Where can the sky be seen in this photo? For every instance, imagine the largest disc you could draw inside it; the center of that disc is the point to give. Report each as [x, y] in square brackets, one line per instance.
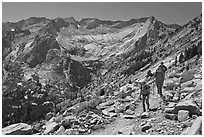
[167, 12]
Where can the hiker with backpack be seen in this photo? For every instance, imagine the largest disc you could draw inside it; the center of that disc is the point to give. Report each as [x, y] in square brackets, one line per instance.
[159, 77]
[144, 94]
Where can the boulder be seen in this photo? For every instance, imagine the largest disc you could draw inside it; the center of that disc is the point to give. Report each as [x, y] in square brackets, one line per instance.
[195, 129]
[187, 76]
[126, 130]
[146, 126]
[129, 112]
[183, 115]
[51, 127]
[126, 90]
[105, 112]
[187, 105]
[17, 129]
[145, 115]
[66, 123]
[171, 116]
[171, 85]
[60, 131]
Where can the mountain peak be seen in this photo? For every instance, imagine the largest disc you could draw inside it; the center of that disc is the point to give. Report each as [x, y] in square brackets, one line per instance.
[70, 20]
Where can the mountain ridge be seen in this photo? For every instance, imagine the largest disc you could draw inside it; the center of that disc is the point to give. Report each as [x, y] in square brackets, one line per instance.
[75, 62]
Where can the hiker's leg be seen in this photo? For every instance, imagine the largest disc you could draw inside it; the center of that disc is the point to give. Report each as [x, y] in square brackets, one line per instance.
[143, 103]
[162, 83]
[147, 101]
[160, 88]
[157, 84]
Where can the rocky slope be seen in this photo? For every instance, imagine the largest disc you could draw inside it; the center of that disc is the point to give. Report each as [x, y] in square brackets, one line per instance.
[76, 62]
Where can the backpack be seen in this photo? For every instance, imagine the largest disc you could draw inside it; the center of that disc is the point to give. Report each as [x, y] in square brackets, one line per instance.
[145, 89]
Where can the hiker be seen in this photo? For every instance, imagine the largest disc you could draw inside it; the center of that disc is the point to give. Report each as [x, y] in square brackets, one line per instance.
[149, 74]
[144, 95]
[159, 77]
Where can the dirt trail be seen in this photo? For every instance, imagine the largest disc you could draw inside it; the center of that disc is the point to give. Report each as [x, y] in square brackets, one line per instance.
[120, 122]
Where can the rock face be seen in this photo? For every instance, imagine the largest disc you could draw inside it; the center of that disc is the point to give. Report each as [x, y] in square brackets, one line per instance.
[195, 129]
[17, 129]
[70, 58]
[187, 105]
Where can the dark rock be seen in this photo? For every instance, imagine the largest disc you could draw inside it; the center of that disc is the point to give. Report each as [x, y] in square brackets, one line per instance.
[194, 116]
[17, 129]
[171, 116]
[37, 128]
[60, 131]
[66, 123]
[147, 126]
[187, 105]
[49, 116]
[145, 115]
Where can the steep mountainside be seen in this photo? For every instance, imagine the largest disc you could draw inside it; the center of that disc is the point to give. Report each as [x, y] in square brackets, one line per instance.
[75, 61]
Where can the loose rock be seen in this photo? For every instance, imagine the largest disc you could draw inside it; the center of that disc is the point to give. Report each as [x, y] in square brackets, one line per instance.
[195, 129]
[60, 131]
[147, 126]
[17, 129]
[145, 115]
[183, 115]
[51, 127]
[171, 116]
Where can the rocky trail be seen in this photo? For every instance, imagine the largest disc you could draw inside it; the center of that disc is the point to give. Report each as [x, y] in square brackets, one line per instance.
[179, 112]
[74, 77]
[125, 126]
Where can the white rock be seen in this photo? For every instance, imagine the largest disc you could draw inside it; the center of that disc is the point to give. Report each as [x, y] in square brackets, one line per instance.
[17, 129]
[183, 115]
